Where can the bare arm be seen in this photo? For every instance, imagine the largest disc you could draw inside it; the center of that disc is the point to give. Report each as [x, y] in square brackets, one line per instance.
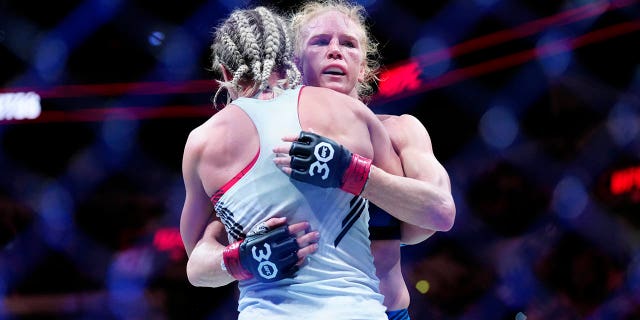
[204, 265]
[422, 198]
[204, 243]
[197, 209]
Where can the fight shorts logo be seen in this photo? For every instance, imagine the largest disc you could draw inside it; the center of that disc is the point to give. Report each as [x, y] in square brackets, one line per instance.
[266, 268]
[324, 153]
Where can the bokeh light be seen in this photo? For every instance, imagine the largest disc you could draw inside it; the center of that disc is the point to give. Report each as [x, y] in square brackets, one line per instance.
[531, 106]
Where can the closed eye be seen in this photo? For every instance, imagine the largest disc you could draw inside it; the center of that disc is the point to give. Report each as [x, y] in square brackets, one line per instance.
[319, 42]
[349, 43]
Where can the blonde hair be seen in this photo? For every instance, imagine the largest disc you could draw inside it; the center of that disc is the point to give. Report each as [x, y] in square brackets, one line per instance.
[355, 13]
[251, 44]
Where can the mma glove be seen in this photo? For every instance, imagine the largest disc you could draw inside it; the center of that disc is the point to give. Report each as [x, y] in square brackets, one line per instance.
[325, 163]
[267, 255]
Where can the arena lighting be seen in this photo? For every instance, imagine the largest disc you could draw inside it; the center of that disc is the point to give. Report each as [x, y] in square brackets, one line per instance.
[19, 105]
[397, 82]
[118, 89]
[625, 180]
[521, 31]
[169, 240]
[123, 113]
[406, 80]
[200, 86]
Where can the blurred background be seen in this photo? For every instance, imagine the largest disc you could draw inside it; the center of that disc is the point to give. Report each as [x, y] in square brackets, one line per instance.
[532, 107]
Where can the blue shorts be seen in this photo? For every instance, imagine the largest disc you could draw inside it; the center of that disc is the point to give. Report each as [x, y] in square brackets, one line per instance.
[402, 314]
[382, 225]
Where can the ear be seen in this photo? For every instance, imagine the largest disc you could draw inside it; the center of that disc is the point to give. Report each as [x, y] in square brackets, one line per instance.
[361, 73]
[298, 63]
[226, 74]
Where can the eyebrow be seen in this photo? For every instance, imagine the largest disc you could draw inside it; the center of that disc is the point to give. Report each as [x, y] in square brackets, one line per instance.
[340, 37]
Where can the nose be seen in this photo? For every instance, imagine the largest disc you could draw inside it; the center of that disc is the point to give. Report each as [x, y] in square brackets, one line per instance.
[334, 50]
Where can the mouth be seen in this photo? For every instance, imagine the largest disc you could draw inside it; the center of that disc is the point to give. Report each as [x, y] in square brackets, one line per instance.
[334, 71]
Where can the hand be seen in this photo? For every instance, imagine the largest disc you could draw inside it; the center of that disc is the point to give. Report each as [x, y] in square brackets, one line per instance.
[271, 251]
[323, 162]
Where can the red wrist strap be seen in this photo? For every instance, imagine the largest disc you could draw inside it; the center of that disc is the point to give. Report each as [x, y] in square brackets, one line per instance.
[356, 175]
[231, 258]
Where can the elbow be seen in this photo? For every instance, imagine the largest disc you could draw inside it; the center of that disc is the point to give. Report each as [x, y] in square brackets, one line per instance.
[440, 217]
[448, 215]
[192, 275]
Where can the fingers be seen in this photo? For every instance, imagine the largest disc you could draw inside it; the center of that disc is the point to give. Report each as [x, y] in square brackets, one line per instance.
[282, 151]
[291, 138]
[299, 227]
[308, 244]
[307, 241]
[282, 160]
[283, 148]
[303, 253]
[283, 163]
[275, 222]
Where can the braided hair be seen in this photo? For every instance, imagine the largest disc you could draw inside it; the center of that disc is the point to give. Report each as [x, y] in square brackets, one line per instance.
[251, 44]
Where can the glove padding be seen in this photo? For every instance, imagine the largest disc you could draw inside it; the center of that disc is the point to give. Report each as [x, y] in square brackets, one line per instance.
[268, 256]
[325, 163]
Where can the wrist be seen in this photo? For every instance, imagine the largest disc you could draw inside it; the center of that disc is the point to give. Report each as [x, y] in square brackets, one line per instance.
[356, 175]
[231, 262]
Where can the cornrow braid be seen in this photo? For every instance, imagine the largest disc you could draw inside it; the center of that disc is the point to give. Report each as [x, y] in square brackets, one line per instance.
[234, 49]
[249, 42]
[252, 45]
[294, 77]
[271, 44]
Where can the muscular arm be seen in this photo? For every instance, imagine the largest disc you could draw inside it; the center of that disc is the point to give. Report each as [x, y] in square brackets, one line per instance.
[204, 265]
[204, 244]
[422, 198]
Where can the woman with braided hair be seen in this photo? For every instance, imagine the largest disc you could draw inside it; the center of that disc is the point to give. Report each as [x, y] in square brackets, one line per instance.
[284, 270]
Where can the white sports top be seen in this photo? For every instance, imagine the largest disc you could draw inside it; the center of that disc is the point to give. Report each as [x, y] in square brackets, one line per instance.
[336, 282]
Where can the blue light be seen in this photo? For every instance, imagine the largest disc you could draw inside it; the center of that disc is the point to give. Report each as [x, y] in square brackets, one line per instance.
[429, 45]
[486, 3]
[56, 206]
[234, 4]
[498, 127]
[178, 56]
[51, 58]
[623, 123]
[156, 38]
[554, 53]
[570, 198]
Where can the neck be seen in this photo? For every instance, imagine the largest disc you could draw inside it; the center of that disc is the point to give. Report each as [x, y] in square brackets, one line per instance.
[273, 88]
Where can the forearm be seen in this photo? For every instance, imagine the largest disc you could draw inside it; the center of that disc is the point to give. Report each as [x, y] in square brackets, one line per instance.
[423, 204]
[204, 266]
[411, 234]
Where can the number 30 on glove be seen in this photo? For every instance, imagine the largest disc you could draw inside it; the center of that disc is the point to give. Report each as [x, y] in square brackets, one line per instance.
[268, 255]
[325, 163]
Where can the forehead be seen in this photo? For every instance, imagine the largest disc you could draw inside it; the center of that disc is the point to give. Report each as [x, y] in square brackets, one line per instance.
[334, 23]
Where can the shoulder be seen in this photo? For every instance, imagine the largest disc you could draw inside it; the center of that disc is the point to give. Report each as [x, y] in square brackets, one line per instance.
[406, 123]
[216, 128]
[325, 94]
[198, 136]
[401, 121]
[405, 130]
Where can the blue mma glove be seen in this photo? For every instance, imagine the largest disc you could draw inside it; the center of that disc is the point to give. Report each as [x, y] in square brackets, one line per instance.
[267, 255]
[325, 163]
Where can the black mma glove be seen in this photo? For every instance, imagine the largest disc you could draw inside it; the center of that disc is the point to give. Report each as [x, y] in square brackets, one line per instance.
[325, 163]
[267, 255]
